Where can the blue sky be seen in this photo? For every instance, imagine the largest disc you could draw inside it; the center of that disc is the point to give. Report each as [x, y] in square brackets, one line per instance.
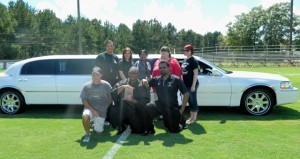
[201, 16]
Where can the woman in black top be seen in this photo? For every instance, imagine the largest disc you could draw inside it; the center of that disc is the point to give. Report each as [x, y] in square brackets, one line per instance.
[125, 63]
[190, 78]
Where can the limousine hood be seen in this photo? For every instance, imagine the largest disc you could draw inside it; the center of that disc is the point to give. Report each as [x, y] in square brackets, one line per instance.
[258, 75]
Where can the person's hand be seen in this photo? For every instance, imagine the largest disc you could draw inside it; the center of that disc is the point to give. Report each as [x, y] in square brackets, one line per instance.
[145, 82]
[193, 88]
[130, 99]
[181, 111]
[95, 113]
[127, 86]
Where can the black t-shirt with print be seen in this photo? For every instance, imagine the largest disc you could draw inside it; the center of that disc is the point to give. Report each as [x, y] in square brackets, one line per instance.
[187, 68]
[167, 90]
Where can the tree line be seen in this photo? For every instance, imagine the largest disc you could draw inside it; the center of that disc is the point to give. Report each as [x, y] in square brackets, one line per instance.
[26, 32]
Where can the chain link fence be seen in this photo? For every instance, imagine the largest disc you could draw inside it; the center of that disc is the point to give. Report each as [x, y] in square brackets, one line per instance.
[239, 56]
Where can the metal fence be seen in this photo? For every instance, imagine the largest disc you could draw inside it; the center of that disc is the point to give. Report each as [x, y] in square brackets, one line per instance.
[252, 56]
[240, 56]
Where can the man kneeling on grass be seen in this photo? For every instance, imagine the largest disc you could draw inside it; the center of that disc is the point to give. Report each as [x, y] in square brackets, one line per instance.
[96, 97]
[131, 98]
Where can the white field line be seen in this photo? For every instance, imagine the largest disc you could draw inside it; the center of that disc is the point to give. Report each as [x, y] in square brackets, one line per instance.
[114, 149]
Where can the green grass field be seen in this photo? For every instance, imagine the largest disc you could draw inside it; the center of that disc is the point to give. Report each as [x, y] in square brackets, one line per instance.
[220, 133]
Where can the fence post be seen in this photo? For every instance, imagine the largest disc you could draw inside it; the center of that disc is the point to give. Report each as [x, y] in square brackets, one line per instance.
[4, 65]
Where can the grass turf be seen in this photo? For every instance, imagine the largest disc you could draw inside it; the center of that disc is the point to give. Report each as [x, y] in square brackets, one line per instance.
[56, 132]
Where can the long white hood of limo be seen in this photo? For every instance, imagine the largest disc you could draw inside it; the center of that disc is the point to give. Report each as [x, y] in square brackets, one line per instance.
[257, 75]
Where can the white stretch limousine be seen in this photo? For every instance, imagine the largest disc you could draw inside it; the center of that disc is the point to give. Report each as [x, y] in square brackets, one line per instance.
[59, 79]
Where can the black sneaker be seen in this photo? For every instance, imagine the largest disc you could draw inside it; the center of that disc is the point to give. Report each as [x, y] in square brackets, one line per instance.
[121, 130]
[160, 118]
[148, 132]
[182, 123]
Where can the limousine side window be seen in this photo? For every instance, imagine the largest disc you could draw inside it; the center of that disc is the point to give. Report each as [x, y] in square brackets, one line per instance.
[204, 69]
[75, 66]
[41, 67]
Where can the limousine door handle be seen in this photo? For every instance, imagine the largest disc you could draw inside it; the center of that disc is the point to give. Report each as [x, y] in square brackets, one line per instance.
[22, 80]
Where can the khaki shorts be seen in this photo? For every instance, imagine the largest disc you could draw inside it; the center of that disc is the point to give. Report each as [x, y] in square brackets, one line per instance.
[98, 121]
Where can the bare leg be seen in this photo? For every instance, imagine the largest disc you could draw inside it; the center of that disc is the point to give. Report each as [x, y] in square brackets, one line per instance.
[86, 123]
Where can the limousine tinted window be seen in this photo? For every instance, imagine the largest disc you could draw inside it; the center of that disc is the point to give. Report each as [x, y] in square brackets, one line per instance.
[75, 66]
[41, 67]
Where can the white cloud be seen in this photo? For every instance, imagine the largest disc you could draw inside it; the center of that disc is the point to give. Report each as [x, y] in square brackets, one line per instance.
[269, 3]
[189, 16]
[61, 8]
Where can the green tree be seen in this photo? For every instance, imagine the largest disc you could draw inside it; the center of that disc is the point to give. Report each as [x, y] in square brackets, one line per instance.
[140, 33]
[123, 38]
[8, 50]
[49, 33]
[269, 26]
[69, 39]
[26, 29]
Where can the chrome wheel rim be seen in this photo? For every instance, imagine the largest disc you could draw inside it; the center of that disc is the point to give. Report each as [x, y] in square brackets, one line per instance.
[10, 103]
[258, 103]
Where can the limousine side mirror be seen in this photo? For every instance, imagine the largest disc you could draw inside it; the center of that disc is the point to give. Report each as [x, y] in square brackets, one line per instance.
[215, 72]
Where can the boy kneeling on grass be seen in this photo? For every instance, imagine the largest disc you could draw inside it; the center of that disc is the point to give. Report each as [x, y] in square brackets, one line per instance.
[96, 97]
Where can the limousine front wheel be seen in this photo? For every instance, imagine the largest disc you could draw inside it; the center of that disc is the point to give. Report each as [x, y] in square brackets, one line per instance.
[257, 102]
[11, 102]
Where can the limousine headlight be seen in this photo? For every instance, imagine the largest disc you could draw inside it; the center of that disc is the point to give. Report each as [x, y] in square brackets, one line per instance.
[286, 85]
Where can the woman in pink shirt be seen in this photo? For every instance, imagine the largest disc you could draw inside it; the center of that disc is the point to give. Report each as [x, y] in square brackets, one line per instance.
[166, 56]
[175, 69]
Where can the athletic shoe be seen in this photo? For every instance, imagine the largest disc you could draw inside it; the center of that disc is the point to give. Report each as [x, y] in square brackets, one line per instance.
[121, 130]
[160, 118]
[87, 138]
[182, 123]
[92, 125]
[148, 132]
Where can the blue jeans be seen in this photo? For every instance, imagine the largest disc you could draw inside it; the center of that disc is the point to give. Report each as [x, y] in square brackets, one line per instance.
[193, 104]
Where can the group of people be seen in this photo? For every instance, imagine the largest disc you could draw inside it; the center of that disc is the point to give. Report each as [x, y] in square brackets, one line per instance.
[119, 92]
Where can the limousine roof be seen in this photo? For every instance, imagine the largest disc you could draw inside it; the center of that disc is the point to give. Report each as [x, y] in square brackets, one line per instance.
[150, 56]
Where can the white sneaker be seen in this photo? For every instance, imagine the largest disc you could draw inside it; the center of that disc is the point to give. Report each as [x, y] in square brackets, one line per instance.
[87, 138]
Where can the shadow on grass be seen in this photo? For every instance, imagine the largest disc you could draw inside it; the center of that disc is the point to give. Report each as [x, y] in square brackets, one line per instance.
[168, 139]
[205, 113]
[49, 111]
[224, 114]
[105, 136]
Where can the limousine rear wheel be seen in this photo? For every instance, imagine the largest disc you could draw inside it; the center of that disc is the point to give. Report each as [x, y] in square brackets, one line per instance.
[257, 102]
[11, 102]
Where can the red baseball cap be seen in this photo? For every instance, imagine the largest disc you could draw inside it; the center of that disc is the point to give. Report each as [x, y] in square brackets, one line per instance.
[188, 47]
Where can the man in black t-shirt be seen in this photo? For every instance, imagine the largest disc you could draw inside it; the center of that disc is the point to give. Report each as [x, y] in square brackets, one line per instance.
[166, 86]
[108, 62]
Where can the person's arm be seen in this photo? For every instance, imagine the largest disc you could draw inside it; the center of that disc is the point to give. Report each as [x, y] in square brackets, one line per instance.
[87, 105]
[98, 60]
[184, 102]
[176, 68]
[155, 71]
[123, 87]
[121, 73]
[195, 78]
[182, 88]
